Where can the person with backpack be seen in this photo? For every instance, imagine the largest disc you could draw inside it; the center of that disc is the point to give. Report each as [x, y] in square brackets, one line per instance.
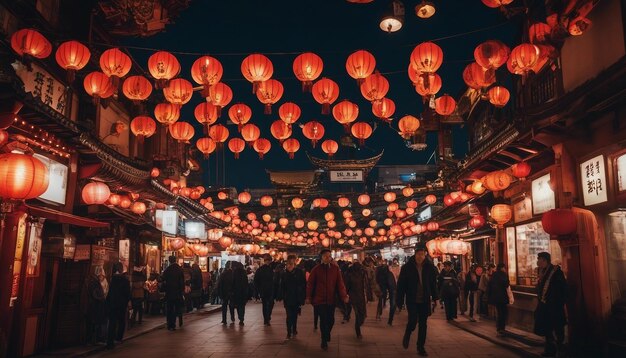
[449, 290]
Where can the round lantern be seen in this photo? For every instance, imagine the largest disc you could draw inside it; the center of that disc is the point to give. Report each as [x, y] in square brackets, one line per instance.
[115, 64]
[225, 241]
[360, 65]
[266, 217]
[143, 127]
[178, 91]
[262, 146]
[297, 203]
[22, 177]
[256, 68]
[501, 214]
[138, 208]
[29, 42]
[383, 109]
[206, 113]
[299, 224]
[559, 222]
[218, 133]
[206, 146]
[408, 191]
[448, 200]
[283, 222]
[98, 85]
[428, 84]
[220, 96]
[496, 181]
[281, 131]
[345, 112]
[236, 145]
[361, 131]
[155, 172]
[445, 105]
[240, 114]
[477, 77]
[363, 199]
[137, 88]
[166, 113]
[114, 199]
[307, 67]
[496, 3]
[250, 133]
[330, 147]
[430, 199]
[432, 226]
[72, 56]
[325, 92]
[314, 131]
[312, 225]
[268, 93]
[491, 54]
[408, 126]
[206, 71]
[291, 146]
[244, 197]
[125, 202]
[427, 57]
[326, 242]
[182, 131]
[289, 112]
[411, 204]
[320, 203]
[389, 196]
[477, 221]
[343, 202]
[498, 96]
[477, 187]
[375, 87]
[520, 170]
[266, 200]
[176, 243]
[393, 207]
[523, 58]
[163, 66]
[95, 193]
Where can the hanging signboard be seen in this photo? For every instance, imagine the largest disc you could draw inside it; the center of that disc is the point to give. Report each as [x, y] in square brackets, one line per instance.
[57, 180]
[621, 173]
[593, 181]
[355, 176]
[166, 221]
[543, 198]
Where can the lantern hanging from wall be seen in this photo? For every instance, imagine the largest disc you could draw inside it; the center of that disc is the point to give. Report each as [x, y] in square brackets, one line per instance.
[314, 131]
[95, 193]
[281, 131]
[374, 87]
[448, 200]
[559, 222]
[240, 114]
[206, 71]
[501, 214]
[496, 3]
[182, 131]
[143, 127]
[72, 56]
[289, 112]
[307, 67]
[384, 109]
[236, 145]
[178, 91]
[137, 88]
[29, 42]
[206, 146]
[360, 65]
[291, 146]
[268, 93]
[219, 133]
[163, 66]
[166, 113]
[325, 92]
[220, 96]
[498, 96]
[115, 64]
[206, 113]
[361, 131]
[262, 146]
[256, 68]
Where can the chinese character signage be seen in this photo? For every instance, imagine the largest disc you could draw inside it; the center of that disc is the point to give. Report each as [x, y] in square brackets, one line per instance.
[346, 176]
[542, 195]
[621, 172]
[522, 210]
[34, 248]
[167, 221]
[17, 262]
[593, 181]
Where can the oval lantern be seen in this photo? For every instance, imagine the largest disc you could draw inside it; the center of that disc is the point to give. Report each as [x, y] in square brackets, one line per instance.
[138, 208]
[432, 226]
[477, 187]
[330, 147]
[178, 91]
[360, 65]
[166, 113]
[426, 57]
[498, 96]
[291, 146]
[115, 64]
[501, 214]
[375, 87]
[559, 222]
[523, 58]
[539, 32]
[343, 202]
[491, 54]
[244, 197]
[206, 71]
[206, 113]
[22, 177]
[98, 85]
[155, 172]
[137, 88]
[430, 199]
[72, 56]
[206, 146]
[299, 223]
[236, 145]
[163, 66]
[477, 77]
[314, 131]
[428, 85]
[408, 191]
[114, 199]
[143, 127]
[262, 146]
[408, 126]
[297, 203]
[289, 112]
[389, 196]
[325, 92]
[361, 131]
[384, 109]
[220, 96]
[307, 67]
[125, 202]
[268, 93]
[280, 130]
[182, 131]
[363, 199]
[95, 193]
[250, 133]
[29, 42]
[219, 133]
[256, 68]
[448, 200]
[477, 221]
[445, 105]
[240, 114]
[345, 112]
[520, 170]
[496, 181]
[496, 3]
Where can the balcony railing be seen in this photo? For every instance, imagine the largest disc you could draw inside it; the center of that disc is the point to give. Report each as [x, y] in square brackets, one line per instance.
[537, 89]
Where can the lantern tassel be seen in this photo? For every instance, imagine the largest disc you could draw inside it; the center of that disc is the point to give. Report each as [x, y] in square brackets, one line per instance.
[268, 109]
[291, 155]
[326, 108]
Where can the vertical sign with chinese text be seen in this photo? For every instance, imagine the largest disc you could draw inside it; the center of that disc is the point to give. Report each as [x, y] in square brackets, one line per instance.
[593, 181]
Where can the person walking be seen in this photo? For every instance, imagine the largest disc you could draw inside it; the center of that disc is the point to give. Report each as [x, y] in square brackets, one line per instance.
[117, 304]
[224, 290]
[374, 290]
[356, 286]
[174, 286]
[325, 282]
[391, 289]
[417, 285]
[470, 288]
[483, 285]
[381, 281]
[462, 301]
[187, 304]
[292, 292]
[550, 316]
[449, 286]
[138, 294]
[240, 291]
[96, 309]
[265, 281]
[196, 286]
[497, 294]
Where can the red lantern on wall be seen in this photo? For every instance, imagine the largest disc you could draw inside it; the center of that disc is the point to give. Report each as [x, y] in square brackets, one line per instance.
[166, 113]
[137, 88]
[29, 42]
[240, 114]
[291, 146]
[375, 87]
[498, 96]
[143, 127]
[360, 65]
[178, 91]
[163, 66]
[220, 96]
[325, 92]
[307, 67]
[256, 68]
[445, 105]
[289, 112]
[314, 131]
[182, 131]
[72, 56]
[559, 222]
[521, 170]
[206, 146]
[430, 199]
[262, 146]
[330, 147]
[384, 109]
[268, 93]
[427, 57]
[236, 145]
[95, 193]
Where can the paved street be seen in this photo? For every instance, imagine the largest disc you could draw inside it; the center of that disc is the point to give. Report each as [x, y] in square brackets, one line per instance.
[206, 337]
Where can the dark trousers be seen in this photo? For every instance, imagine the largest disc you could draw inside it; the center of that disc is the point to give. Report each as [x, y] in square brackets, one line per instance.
[501, 314]
[225, 305]
[450, 306]
[117, 325]
[241, 311]
[268, 306]
[137, 310]
[392, 305]
[316, 316]
[327, 320]
[554, 339]
[470, 295]
[359, 317]
[418, 314]
[292, 318]
[381, 303]
[172, 307]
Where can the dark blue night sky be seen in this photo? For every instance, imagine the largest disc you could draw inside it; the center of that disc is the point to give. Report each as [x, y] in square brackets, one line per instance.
[280, 29]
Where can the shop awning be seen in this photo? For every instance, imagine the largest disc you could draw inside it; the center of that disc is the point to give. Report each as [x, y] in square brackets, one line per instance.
[64, 218]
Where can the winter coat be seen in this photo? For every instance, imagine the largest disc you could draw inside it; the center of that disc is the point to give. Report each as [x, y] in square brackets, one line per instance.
[264, 281]
[96, 301]
[408, 283]
[381, 277]
[196, 279]
[240, 285]
[356, 285]
[138, 281]
[371, 281]
[391, 282]
[448, 285]
[174, 282]
[292, 287]
[325, 282]
[497, 288]
[225, 284]
[471, 282]
[551, 313]
[119, 293]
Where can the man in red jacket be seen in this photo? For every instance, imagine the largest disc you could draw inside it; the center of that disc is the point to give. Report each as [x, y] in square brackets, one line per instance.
[324, 283]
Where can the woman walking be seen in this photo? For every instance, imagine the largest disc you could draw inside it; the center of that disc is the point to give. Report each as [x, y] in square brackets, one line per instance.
[293, 292]
[356, 285]
[240, 290]
[497, 293]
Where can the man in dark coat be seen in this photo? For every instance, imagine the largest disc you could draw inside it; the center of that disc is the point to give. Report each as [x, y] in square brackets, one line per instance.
[292, 291]
[225, 292]
[550, 312]
[391, 289]
[356, 285]
[96, 309]
[240, 290]
[449, 290]
[117, 304]
[325, 282]
[174, 287]
[196, 286]
[417, 284]
[497, 295]
[470, 287]
[264, 281]
[381, 280]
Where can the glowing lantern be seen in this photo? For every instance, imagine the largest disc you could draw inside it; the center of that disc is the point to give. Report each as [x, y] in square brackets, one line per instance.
[280, 130]
[137, 88]
[220, 96]
[138, 208]
[222, 195]
[289, 112]
[408, 191]
[491, 54]
[496, 181]
[320, 203]
[262, 146]
[114, 199]
[256, 68]
[268, 93]
[266, 217]
[477, 221]
[178, 91]
[166, 113]
[98, 85]
[375, 87]
[314, 131]
[389, 196]
[218, 133]
[448, 200]
[326, 242]
[312, 225]
[155, 172]
[501, 213]
[299, 224]
[363, 199]
[206, 71]
[432, 226]
[387, 222]
[176, 243]
[559, 222]
[520, 170]
[498, 96]
[426, 57]
[523, 58]
[72, 56]
[330, 147]
[29, 42]
[445, 105]
[496, 3]
[244, 197]
[240, 114]
[366, 212]
[297, 203]
[431, 199]
[283, 222]
[360, 65]
[477, 77]
[307, 67]
[291, 146]
[182, 131]
[325, 92]
[95, 193]
[428, 85]
[345, 112]
[408, 126]
[384, 109]
[225, 241]
[115, 64]
[361, 131]
[125, 202]
[539, 33]
[250, 133]
[477, 187]
[236, 145]
[143, 127]
[392, 207]
[329, 216]
[206, 113]
[163, 66]
[206, 146]
[343, 202]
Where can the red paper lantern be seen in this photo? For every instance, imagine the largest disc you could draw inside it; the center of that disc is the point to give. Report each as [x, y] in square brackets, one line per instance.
[297, 203]
[345, 112]
[206, 146]
[375, 87]
[361, 131]
[256, 68]
[166, 113]
[240, 114]
[115, 64]
[98, 85]
[176, 243]
[498, 96]
[523, 58]
[477, 221]
[125, 202]
[280, 130]
[29, 42]
[384, 109]
[218, 133]
[325, 92]
[307, 67]
[262, 146]
[330, 147]
[163, 66]
[501, 214]
[448, 200]
[266, 200]
[428, 84]
[291, 146]
[411, 204]
[250, 133]
[389, 196]
[559, 222]
[491, 54]
[269, 92]
[432, 226]
[225, 241]
[143, 127]
[496, 3]
[137, 88]
[363, 199]
[220, 96]
[22, 177]
[289, 112]
[521, 170]
[427, 57]
[138, 208]
[114, 199]
[206, 113]
[496, 181]
[477, 77]
[360, 65]
[155, 172]
[244, 197]
[236, 145]
[445, 105]
[539, 33]
[408, 126]
[182, 131]
[72, 56]
[343, 202]
[430, 199]
[178, 91]
[314, 131]
[206, 71]
[95, 193]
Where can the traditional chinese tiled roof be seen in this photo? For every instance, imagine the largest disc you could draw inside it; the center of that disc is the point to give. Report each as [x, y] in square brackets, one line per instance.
[343, 164]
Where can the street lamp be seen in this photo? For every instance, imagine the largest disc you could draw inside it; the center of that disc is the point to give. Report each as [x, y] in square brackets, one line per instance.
[425, 9]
